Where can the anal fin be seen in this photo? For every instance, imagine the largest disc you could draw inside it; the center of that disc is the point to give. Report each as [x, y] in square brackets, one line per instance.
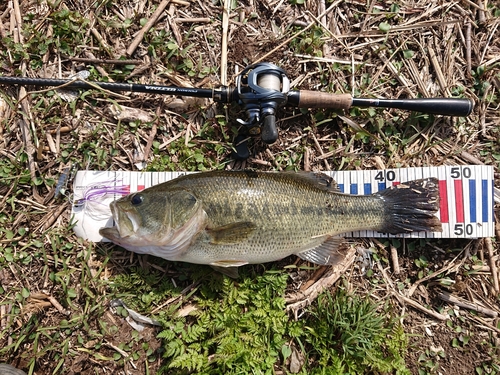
[228, 267]
[328, 253]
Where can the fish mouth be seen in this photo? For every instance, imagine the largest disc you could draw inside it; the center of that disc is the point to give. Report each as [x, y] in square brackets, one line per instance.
[111, 233]
[124, 226]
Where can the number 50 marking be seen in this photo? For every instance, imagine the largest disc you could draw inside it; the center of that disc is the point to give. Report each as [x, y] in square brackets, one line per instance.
[461, 228]
[455, 172]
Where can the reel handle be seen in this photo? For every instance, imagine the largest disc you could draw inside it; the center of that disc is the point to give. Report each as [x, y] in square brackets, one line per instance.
[269, 131]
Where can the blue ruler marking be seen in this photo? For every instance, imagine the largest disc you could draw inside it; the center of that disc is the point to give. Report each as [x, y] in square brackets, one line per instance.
[484, 193]
[472, 194]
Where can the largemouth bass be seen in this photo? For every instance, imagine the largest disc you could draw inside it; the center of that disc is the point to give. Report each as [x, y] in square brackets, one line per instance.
[229, 219]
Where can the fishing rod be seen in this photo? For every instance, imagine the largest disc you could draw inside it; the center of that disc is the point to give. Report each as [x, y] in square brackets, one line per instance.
[262, 88]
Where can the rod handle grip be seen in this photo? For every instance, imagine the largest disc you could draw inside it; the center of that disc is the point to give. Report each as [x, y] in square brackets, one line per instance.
[319, 99]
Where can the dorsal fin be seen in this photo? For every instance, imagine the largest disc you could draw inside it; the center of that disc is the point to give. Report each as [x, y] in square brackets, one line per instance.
[318, 179]
[327, 253]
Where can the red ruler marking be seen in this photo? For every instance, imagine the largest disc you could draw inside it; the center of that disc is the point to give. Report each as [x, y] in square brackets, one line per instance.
[443, 202]
[459, 201]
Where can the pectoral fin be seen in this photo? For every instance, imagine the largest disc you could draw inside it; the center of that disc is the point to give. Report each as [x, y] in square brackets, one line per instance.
[327, 253]
[231, 234]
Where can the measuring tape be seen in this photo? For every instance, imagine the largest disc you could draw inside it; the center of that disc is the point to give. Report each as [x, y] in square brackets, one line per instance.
[466, 206]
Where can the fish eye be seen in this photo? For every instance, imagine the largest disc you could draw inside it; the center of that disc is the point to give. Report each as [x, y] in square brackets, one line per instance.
[136, 199]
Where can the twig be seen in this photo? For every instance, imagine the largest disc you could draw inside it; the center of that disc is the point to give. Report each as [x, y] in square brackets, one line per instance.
[140, 35]
[26, 120]
[418, 306]
[123, 353]
[415, 73]
[192, 20]
[193, 286]
[430, 276]
[270, 154]
[57, 305]
[296, 34]
[439, 72]
[260, 162]
[487, 48]
[98, 67]
[395, 260]
[299, 300]
[493, 266]
[467, 305]
[3, 34]
[225, 27]
[307, 161]
[151, 138]
[173, 24]
[320, 150]
[315, 277]
[481, 13]
[101, 40]
[483, 323]
[18, 20]
[51, 217]
[175, 137]
[468, 58]
[387, 279]
[62, 129]
[470, 158]
[394, 71]
[105, 61]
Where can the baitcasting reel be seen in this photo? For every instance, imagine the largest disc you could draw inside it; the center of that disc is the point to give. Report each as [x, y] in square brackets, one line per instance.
[262, 88]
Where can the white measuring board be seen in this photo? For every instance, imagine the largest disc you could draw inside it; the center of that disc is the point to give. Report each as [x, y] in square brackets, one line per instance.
[466, 191]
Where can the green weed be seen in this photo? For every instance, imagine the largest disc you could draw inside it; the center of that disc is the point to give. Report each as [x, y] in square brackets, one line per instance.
[238, 327]
[241, 326]
[350, 333]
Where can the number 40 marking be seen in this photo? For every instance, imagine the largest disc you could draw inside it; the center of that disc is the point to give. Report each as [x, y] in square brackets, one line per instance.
[385, 175]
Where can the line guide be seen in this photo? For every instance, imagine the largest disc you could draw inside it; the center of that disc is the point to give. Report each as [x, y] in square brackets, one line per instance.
[466, 191]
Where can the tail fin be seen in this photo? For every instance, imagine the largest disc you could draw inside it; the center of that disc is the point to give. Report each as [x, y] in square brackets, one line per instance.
[410, 207]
